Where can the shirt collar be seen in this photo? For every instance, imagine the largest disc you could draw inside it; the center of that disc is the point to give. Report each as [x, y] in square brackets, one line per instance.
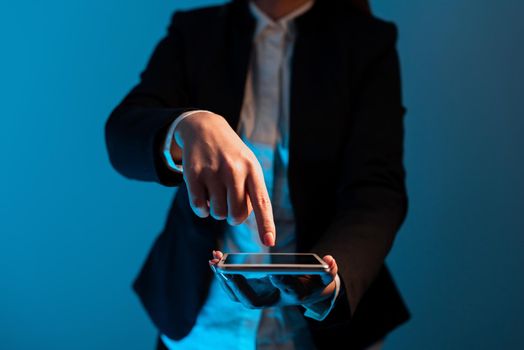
[263, 20]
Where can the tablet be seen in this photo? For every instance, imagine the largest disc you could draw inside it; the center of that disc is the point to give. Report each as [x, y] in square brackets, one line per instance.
[272, 263]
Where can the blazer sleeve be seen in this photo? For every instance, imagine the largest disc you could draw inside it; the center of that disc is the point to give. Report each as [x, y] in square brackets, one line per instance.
[136, 128]
[371, 200]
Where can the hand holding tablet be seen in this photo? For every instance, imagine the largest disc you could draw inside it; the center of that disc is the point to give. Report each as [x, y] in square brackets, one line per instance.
[275, 279]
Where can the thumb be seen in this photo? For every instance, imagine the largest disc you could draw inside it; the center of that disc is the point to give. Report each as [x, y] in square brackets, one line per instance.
[327, 278]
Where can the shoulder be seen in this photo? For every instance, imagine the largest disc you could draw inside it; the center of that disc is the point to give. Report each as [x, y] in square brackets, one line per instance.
[367, 37]
[196, 28]
[355, 26]
[200, 19]
[201, 13]
[369, 31]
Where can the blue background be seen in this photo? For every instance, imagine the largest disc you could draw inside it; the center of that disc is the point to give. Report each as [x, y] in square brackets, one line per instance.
[73, 233]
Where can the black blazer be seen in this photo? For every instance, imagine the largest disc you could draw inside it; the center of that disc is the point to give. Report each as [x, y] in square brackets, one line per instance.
[346, 174]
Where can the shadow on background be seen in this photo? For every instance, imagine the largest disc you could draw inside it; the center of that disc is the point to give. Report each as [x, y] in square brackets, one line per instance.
[73, 233]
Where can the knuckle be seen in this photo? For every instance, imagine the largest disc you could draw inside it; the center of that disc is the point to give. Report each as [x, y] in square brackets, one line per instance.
[254, 166]
[233, 167]
[192, 171]
[198, 202]
[263, 200]
[208, 171]
[246, 153]
[238, 218]
[218, 211]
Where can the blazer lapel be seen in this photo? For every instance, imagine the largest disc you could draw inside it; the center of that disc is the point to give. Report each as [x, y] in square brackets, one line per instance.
[317, 81]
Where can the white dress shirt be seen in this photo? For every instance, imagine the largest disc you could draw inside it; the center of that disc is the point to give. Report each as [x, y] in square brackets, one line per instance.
[264, 128]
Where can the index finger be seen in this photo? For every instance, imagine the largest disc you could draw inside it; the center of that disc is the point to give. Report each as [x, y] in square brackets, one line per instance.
[262, 207]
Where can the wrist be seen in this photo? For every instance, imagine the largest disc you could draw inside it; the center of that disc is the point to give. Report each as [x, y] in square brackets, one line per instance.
[320, 309]
[192, 124]
[172, 152]
[325, 296]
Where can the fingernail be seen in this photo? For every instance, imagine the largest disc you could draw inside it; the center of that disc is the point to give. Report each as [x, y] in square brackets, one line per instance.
[269, 239]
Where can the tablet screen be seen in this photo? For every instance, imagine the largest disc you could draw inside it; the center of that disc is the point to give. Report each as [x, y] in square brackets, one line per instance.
[283, 259]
